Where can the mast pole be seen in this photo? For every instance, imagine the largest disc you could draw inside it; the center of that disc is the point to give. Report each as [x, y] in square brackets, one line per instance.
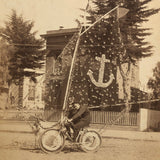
[70, 73]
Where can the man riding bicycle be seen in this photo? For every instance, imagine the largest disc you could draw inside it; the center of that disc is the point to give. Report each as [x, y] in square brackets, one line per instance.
[79, 116]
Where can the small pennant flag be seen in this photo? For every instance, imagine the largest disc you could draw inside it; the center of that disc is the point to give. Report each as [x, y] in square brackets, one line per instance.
[122, 12]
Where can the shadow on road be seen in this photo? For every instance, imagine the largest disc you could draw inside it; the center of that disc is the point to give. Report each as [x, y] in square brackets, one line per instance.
[36, 149]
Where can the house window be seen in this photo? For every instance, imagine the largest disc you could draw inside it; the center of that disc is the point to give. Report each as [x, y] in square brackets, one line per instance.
[31, 91]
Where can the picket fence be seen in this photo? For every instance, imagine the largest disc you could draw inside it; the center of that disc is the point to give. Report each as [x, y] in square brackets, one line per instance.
[101, 117]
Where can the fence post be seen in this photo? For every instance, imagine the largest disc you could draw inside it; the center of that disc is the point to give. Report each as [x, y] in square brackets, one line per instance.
[144, 119]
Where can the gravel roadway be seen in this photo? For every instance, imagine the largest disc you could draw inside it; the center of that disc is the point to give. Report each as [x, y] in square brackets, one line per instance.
[18, 146]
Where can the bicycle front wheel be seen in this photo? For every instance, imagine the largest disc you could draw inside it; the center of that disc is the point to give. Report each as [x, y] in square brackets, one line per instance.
[51, 141]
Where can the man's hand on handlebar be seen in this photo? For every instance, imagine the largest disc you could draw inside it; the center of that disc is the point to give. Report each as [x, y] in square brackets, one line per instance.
[69, 120]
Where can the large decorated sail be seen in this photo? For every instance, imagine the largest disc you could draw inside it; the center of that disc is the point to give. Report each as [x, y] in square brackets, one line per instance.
[94, 70]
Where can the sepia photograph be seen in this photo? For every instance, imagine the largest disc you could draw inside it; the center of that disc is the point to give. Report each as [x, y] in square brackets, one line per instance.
[80, 79]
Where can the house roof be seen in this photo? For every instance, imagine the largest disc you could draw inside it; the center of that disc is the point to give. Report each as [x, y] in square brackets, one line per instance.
[59, 32]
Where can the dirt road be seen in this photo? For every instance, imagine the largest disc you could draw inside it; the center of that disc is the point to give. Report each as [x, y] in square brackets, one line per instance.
[15, 146]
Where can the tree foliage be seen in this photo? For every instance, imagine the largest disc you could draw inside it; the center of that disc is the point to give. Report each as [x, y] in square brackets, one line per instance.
[5, 54]
[28, 54]
[154, 82]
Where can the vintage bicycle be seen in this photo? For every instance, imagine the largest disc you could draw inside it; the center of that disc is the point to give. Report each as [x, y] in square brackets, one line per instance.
[53, 138]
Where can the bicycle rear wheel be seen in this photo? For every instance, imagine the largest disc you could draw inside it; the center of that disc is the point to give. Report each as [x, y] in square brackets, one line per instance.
[90, 141]
[51, 141]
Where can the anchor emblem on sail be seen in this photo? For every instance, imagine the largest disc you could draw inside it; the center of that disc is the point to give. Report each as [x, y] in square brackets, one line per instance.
[100, 82]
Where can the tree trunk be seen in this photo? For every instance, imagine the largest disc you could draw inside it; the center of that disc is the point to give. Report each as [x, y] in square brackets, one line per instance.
[126, 89]
[20, 101]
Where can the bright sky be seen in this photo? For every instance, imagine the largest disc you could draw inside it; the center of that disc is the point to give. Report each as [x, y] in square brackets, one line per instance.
[50, 14]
